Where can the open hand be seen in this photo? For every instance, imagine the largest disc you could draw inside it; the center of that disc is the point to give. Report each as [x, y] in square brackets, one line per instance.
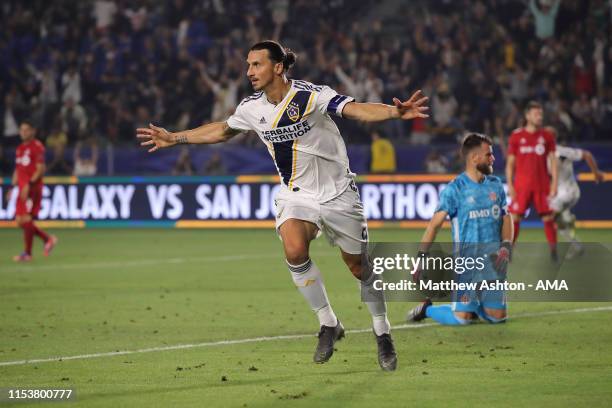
[413, 108]
[155, 137]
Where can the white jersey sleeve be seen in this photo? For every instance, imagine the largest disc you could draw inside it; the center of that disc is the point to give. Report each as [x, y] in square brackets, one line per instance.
[331, 102]
[239, 120]
[569, 153]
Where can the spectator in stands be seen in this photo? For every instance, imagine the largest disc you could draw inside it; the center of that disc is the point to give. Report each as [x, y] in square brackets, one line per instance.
[86, 162]
[373, 88]
[444, 110]
[104, 13]
[56, 143]
[183, 165]
[605, 112]
[137, 14]
[214, 166]
[584, 110]
[113, 58]
[420, 134]
[48, 86]
[382, 158]
[9, 114]
[71, 85]
[225, 91]
[544, 17]
[74, 119]
[352, 84]
[436, 163]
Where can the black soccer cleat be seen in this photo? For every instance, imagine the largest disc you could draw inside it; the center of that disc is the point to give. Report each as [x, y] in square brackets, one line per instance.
[554, 256]
[418, 313]
[387, 358]
[328, 336]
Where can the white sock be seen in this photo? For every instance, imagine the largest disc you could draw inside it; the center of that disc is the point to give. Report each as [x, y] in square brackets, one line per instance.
[327, 316]
[381, 324]
[375, 301]
[309, 282]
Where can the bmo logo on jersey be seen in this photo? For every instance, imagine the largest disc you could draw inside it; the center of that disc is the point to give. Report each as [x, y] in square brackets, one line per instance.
[538, 149]
[494, 212]
[25, 159]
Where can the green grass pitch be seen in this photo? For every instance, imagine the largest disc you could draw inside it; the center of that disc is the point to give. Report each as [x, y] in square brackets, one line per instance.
[104, 291]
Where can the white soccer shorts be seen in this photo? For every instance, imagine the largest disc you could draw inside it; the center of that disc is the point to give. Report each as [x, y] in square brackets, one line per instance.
[340, 219]
[566, 198]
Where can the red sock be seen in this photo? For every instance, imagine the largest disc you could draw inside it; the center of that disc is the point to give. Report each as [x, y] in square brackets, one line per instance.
[550, 229]
[517, 227]
[28, 237]
[40, 233]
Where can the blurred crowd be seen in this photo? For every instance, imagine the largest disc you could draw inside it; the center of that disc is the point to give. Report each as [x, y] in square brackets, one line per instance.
[90, 72]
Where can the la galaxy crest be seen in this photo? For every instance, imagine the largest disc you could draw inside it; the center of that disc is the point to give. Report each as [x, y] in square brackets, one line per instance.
[293, 111]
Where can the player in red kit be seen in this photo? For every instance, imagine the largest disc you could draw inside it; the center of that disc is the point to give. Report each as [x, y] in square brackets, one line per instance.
[29, 171]
[529, 150]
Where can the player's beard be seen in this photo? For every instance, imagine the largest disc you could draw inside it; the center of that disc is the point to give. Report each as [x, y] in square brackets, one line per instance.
[485, 168]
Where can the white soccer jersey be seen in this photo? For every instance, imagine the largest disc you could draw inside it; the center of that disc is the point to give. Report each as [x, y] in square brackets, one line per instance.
[303, 140]
[566, 156]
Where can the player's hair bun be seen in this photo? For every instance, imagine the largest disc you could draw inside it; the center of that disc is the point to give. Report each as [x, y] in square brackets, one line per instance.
[289, 59]
[277, 53]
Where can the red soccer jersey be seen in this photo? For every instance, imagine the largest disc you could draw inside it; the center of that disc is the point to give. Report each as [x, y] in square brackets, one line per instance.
[531, 152]
[29, 154]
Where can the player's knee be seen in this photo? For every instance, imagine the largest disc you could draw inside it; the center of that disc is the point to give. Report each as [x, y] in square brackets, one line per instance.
[355, 268]
[495, 315]
[296, 254]
[354, 263]
[463, 317]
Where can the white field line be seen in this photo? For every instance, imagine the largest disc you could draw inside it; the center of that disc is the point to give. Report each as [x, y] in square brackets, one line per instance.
[151, 262]
[268, 338]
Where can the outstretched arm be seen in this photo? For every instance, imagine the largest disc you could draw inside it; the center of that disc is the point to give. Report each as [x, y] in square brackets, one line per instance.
[157, 138]
[429, 236]
[376, 112]
[588, 157]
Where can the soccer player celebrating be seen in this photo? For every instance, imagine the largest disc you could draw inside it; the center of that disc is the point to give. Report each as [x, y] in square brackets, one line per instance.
[318, 193]
[530, 148]
[28, 174]
[568, 191]
[475, 201]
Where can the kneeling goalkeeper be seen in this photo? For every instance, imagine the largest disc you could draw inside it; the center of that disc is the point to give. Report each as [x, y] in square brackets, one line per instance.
[475, 202]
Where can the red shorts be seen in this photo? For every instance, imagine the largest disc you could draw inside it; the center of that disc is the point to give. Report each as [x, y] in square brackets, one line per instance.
[526, 196]
[32, 204]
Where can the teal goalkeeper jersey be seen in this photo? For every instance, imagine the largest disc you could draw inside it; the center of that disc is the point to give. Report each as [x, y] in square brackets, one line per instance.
[476, 210]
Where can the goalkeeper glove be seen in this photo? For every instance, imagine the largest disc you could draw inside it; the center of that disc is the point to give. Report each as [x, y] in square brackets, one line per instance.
[502, 257]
